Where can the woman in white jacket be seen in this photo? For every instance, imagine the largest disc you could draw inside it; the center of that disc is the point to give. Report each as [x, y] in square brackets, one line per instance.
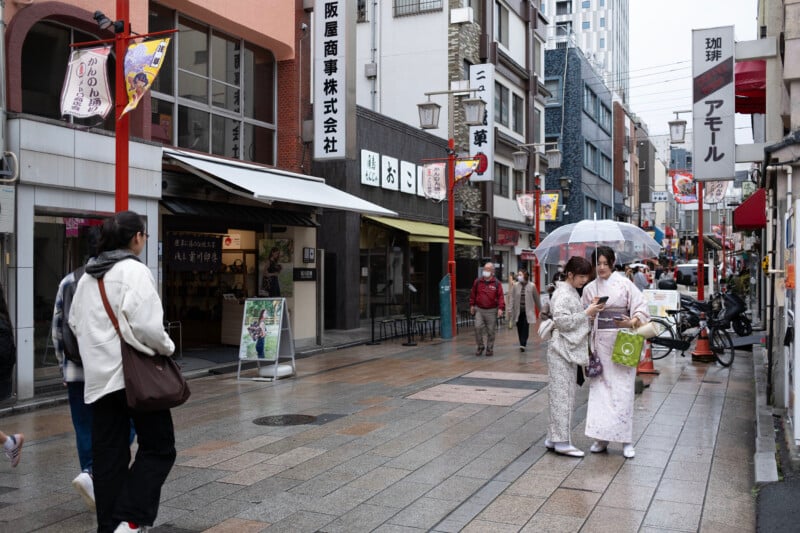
[127, 498]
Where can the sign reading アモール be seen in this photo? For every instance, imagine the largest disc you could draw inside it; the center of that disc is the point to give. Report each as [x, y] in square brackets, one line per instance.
[714, 103]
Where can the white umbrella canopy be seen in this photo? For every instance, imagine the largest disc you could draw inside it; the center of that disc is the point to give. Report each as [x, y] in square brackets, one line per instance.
[628, 241]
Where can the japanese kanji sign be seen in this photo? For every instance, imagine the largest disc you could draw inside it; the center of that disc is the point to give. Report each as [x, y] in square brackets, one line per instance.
[370, 173]
[334, 80]
[86, 91]
[434, 181]
[390, 173]
[199, 253]
[481, 138]
[714, 103]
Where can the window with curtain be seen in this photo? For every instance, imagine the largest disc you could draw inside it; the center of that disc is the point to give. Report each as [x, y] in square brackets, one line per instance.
[215, 92]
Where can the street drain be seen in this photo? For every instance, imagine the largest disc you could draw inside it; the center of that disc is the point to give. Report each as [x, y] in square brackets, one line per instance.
[285, 420]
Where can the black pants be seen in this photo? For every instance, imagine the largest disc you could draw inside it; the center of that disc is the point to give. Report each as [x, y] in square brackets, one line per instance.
[123, 494]
[523, 329]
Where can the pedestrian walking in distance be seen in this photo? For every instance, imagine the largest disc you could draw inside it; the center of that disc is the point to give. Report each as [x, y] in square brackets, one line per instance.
[486, 304]
[524, 298]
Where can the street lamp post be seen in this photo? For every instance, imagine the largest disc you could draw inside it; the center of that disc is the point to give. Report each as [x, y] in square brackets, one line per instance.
[474, 109]
[521, 163]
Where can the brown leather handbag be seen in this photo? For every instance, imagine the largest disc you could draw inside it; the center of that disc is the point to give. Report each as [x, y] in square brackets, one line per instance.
[152, 382]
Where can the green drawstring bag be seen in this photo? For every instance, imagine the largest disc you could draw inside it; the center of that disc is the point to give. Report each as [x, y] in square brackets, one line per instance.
[627, 348]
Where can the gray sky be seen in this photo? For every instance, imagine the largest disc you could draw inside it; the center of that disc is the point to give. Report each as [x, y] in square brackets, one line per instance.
[661, 54]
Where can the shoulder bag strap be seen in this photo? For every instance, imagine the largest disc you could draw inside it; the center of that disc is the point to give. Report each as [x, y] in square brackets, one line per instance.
[107, 305]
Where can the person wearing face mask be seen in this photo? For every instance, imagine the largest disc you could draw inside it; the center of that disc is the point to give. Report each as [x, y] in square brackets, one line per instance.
[486, 304]
[524, 297]
[609, 415]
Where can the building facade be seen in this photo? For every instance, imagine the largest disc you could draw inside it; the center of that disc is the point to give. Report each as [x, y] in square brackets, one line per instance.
[600, 29]
[579, 118]
[218, 129]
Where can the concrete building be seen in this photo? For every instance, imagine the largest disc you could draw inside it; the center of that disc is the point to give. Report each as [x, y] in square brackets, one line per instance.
[579, 118]
[210, 144]
[405, 50]
[600, 29]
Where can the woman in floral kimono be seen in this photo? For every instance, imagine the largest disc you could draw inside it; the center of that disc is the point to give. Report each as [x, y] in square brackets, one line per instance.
[609, 417]
[568, 349]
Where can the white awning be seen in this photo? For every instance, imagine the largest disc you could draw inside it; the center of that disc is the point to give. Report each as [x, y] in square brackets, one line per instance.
[271, 185]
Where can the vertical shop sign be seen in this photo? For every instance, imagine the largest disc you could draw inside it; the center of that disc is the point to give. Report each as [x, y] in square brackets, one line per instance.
[714, 103]
[86, 92]
[334, 80]
[481, 138]
[370, 173]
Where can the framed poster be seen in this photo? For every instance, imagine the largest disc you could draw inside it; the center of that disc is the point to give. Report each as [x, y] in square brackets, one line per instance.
[275, 278]
[261, 328]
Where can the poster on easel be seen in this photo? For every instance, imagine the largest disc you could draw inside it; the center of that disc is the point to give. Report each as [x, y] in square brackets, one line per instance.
[266, 336]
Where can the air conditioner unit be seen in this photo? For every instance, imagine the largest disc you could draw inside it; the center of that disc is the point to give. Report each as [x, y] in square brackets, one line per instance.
[461, 15]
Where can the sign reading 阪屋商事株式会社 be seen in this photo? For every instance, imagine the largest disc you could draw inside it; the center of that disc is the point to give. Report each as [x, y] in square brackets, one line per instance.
[713, 108]
[334, 79]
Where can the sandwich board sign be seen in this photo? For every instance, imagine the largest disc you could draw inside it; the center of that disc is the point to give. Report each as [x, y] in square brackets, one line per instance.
[267, 337]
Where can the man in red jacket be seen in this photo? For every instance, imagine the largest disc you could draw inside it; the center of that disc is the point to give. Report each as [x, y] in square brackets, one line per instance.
[486, 303]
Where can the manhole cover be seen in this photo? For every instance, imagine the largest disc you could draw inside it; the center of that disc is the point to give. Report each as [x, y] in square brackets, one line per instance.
[285, 420]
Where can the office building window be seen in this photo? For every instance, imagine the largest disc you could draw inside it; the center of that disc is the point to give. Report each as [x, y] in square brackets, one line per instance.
[586, 4]
[215, 93]
[501, 104]
[501, 180]
[518, 108]
[589, 156]
[502, 24]
[585, 25]
[589, 101]
[564, 8]
[414, 7]
[602, 42]
[519, 183]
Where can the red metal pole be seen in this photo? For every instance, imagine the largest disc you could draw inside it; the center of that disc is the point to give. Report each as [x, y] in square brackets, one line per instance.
[451, 243]
[724, 266]
[121, 131]
[537, 197]
[700, 266]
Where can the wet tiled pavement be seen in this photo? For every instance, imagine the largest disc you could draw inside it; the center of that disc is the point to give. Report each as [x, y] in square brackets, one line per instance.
[424, 438]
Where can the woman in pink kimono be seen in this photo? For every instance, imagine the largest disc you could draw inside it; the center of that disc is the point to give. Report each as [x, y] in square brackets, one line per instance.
[609, 417]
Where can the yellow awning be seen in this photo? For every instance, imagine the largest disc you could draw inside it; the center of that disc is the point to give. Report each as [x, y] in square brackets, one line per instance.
[425, 232]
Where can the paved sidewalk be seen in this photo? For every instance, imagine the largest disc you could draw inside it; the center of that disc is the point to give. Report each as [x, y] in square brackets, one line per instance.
[425, 438]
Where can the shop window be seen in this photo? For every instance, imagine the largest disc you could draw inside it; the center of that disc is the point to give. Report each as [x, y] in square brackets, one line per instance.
[220, 88]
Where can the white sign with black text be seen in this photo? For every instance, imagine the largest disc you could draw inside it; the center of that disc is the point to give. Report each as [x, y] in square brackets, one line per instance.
[713, 109]
[481, 138]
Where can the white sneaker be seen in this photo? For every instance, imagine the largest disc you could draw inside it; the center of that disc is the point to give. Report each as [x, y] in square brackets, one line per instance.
[599, 446]
[85, 487]
[628, 451]
[14, 450]
[124, 527]
[549, 445]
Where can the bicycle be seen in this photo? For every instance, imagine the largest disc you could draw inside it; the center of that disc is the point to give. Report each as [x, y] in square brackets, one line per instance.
[680, 335]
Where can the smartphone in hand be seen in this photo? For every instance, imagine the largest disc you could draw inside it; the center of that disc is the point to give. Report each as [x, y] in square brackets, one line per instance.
[602, 299]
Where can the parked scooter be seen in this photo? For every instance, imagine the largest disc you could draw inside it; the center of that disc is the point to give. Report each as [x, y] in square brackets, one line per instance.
[725, 309]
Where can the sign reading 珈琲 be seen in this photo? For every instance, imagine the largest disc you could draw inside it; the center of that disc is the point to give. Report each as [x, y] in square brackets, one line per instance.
[714, 103]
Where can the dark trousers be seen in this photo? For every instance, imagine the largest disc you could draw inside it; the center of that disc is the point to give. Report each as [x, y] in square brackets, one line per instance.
[523, 329]
[124, 494]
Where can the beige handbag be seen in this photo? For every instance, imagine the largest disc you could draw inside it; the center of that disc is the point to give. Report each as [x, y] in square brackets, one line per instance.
[648, 330]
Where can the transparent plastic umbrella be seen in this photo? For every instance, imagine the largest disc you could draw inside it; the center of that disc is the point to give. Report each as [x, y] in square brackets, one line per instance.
[629, 242]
